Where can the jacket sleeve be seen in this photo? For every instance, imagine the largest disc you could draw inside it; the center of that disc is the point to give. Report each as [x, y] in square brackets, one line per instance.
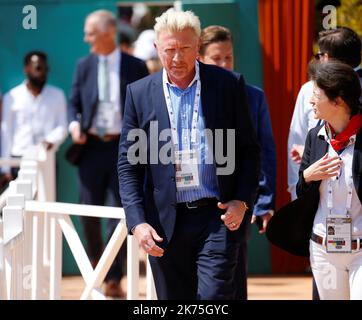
[247, 150]
[302, 186]
[130, 175]
[75, 100]
[297, 135]
[267, 184]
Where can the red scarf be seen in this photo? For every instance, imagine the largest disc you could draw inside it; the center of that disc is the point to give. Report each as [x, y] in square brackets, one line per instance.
[341, 140]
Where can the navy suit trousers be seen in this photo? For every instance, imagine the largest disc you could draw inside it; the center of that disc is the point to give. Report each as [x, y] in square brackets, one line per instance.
[200, 260]
[98, 186]
[241, 285]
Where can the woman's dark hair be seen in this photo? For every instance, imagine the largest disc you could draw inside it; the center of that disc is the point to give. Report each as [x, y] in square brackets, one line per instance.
[338, 79]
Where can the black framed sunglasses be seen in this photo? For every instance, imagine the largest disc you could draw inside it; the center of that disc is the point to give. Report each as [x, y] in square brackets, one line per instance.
[318, 55]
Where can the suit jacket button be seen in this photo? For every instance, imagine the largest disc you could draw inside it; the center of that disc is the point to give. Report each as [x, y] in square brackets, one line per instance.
[173, 179]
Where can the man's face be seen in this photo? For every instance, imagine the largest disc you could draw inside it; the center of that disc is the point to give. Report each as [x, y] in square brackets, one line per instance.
[178, 51]
[37, 70]
[220, 54]
[97, 40]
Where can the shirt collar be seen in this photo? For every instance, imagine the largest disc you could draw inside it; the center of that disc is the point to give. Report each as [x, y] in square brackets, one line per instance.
[112, 58]
[45, 87]
[196, 77]
[323, 133]
[357, 68]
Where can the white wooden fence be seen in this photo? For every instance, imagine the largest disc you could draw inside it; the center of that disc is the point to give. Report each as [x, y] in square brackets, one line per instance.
[31, 229]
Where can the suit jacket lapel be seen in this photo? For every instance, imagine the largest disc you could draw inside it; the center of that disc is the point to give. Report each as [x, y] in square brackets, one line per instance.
[357, 164]
[93, 80]
[208, 98]
[321, 147]
[159, 103]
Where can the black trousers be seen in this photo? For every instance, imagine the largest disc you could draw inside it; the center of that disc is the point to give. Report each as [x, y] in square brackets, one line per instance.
[200, 260]
[98, 183]
[241, 272]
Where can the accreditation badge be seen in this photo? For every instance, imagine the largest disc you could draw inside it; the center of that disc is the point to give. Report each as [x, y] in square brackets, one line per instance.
[187, 170]
[339, 234]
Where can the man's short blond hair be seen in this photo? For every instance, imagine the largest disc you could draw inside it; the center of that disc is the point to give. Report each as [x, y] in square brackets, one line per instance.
[172, 20]
[104, 19]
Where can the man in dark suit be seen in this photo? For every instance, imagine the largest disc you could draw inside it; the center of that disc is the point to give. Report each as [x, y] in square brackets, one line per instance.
[186, 214]
[217, 48]
[96, 112]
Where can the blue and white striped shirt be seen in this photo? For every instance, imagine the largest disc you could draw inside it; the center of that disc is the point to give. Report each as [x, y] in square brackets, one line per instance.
[182, 103]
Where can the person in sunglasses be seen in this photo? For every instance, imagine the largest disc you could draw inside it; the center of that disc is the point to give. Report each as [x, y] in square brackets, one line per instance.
[33, 112]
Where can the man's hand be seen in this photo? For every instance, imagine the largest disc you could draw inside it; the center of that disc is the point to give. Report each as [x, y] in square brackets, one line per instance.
[323, 169]
[146, 236]
[265, 218]
[234, 215]
[5, 178]
[48, 145]
[78, 136]
[296, 153]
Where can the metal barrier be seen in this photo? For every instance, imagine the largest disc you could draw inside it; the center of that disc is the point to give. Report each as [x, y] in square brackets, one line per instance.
[31, 230]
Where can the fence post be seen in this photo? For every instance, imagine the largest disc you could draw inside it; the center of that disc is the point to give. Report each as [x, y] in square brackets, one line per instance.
[13, 242]
[28, 171]
[3, 291]
[47, 192]
[55, 261]
[37, 276]
[150, 285]
[133, 268]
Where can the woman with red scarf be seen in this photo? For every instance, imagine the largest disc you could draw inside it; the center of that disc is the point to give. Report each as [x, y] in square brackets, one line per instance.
[330, 174]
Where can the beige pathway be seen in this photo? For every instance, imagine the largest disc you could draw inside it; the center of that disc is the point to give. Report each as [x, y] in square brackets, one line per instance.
[259, 287]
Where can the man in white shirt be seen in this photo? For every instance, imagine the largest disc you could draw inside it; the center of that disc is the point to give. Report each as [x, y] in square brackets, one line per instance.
[32, 112]
[342, 44]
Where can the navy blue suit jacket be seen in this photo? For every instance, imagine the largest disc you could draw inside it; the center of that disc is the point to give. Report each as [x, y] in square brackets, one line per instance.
[261, 119]
[148, 191]
[84, 95]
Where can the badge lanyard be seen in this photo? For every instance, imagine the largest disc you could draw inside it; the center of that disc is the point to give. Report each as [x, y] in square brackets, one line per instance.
[172, 115]
[349, 195]
[349, 186]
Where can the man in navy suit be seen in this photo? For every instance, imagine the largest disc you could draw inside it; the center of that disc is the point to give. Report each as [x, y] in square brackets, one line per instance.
[96, 112]
[186, 214]
[217, 48]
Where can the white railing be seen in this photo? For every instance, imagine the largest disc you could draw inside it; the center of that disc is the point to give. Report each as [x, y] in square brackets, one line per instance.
[31, 232]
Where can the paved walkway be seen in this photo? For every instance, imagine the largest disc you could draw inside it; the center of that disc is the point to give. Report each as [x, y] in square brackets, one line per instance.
[259, 287]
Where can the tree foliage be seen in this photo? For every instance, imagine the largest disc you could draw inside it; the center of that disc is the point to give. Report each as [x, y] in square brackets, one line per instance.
[349, 14]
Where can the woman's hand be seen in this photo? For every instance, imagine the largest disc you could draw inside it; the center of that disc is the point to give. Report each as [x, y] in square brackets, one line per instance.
[323, 169]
